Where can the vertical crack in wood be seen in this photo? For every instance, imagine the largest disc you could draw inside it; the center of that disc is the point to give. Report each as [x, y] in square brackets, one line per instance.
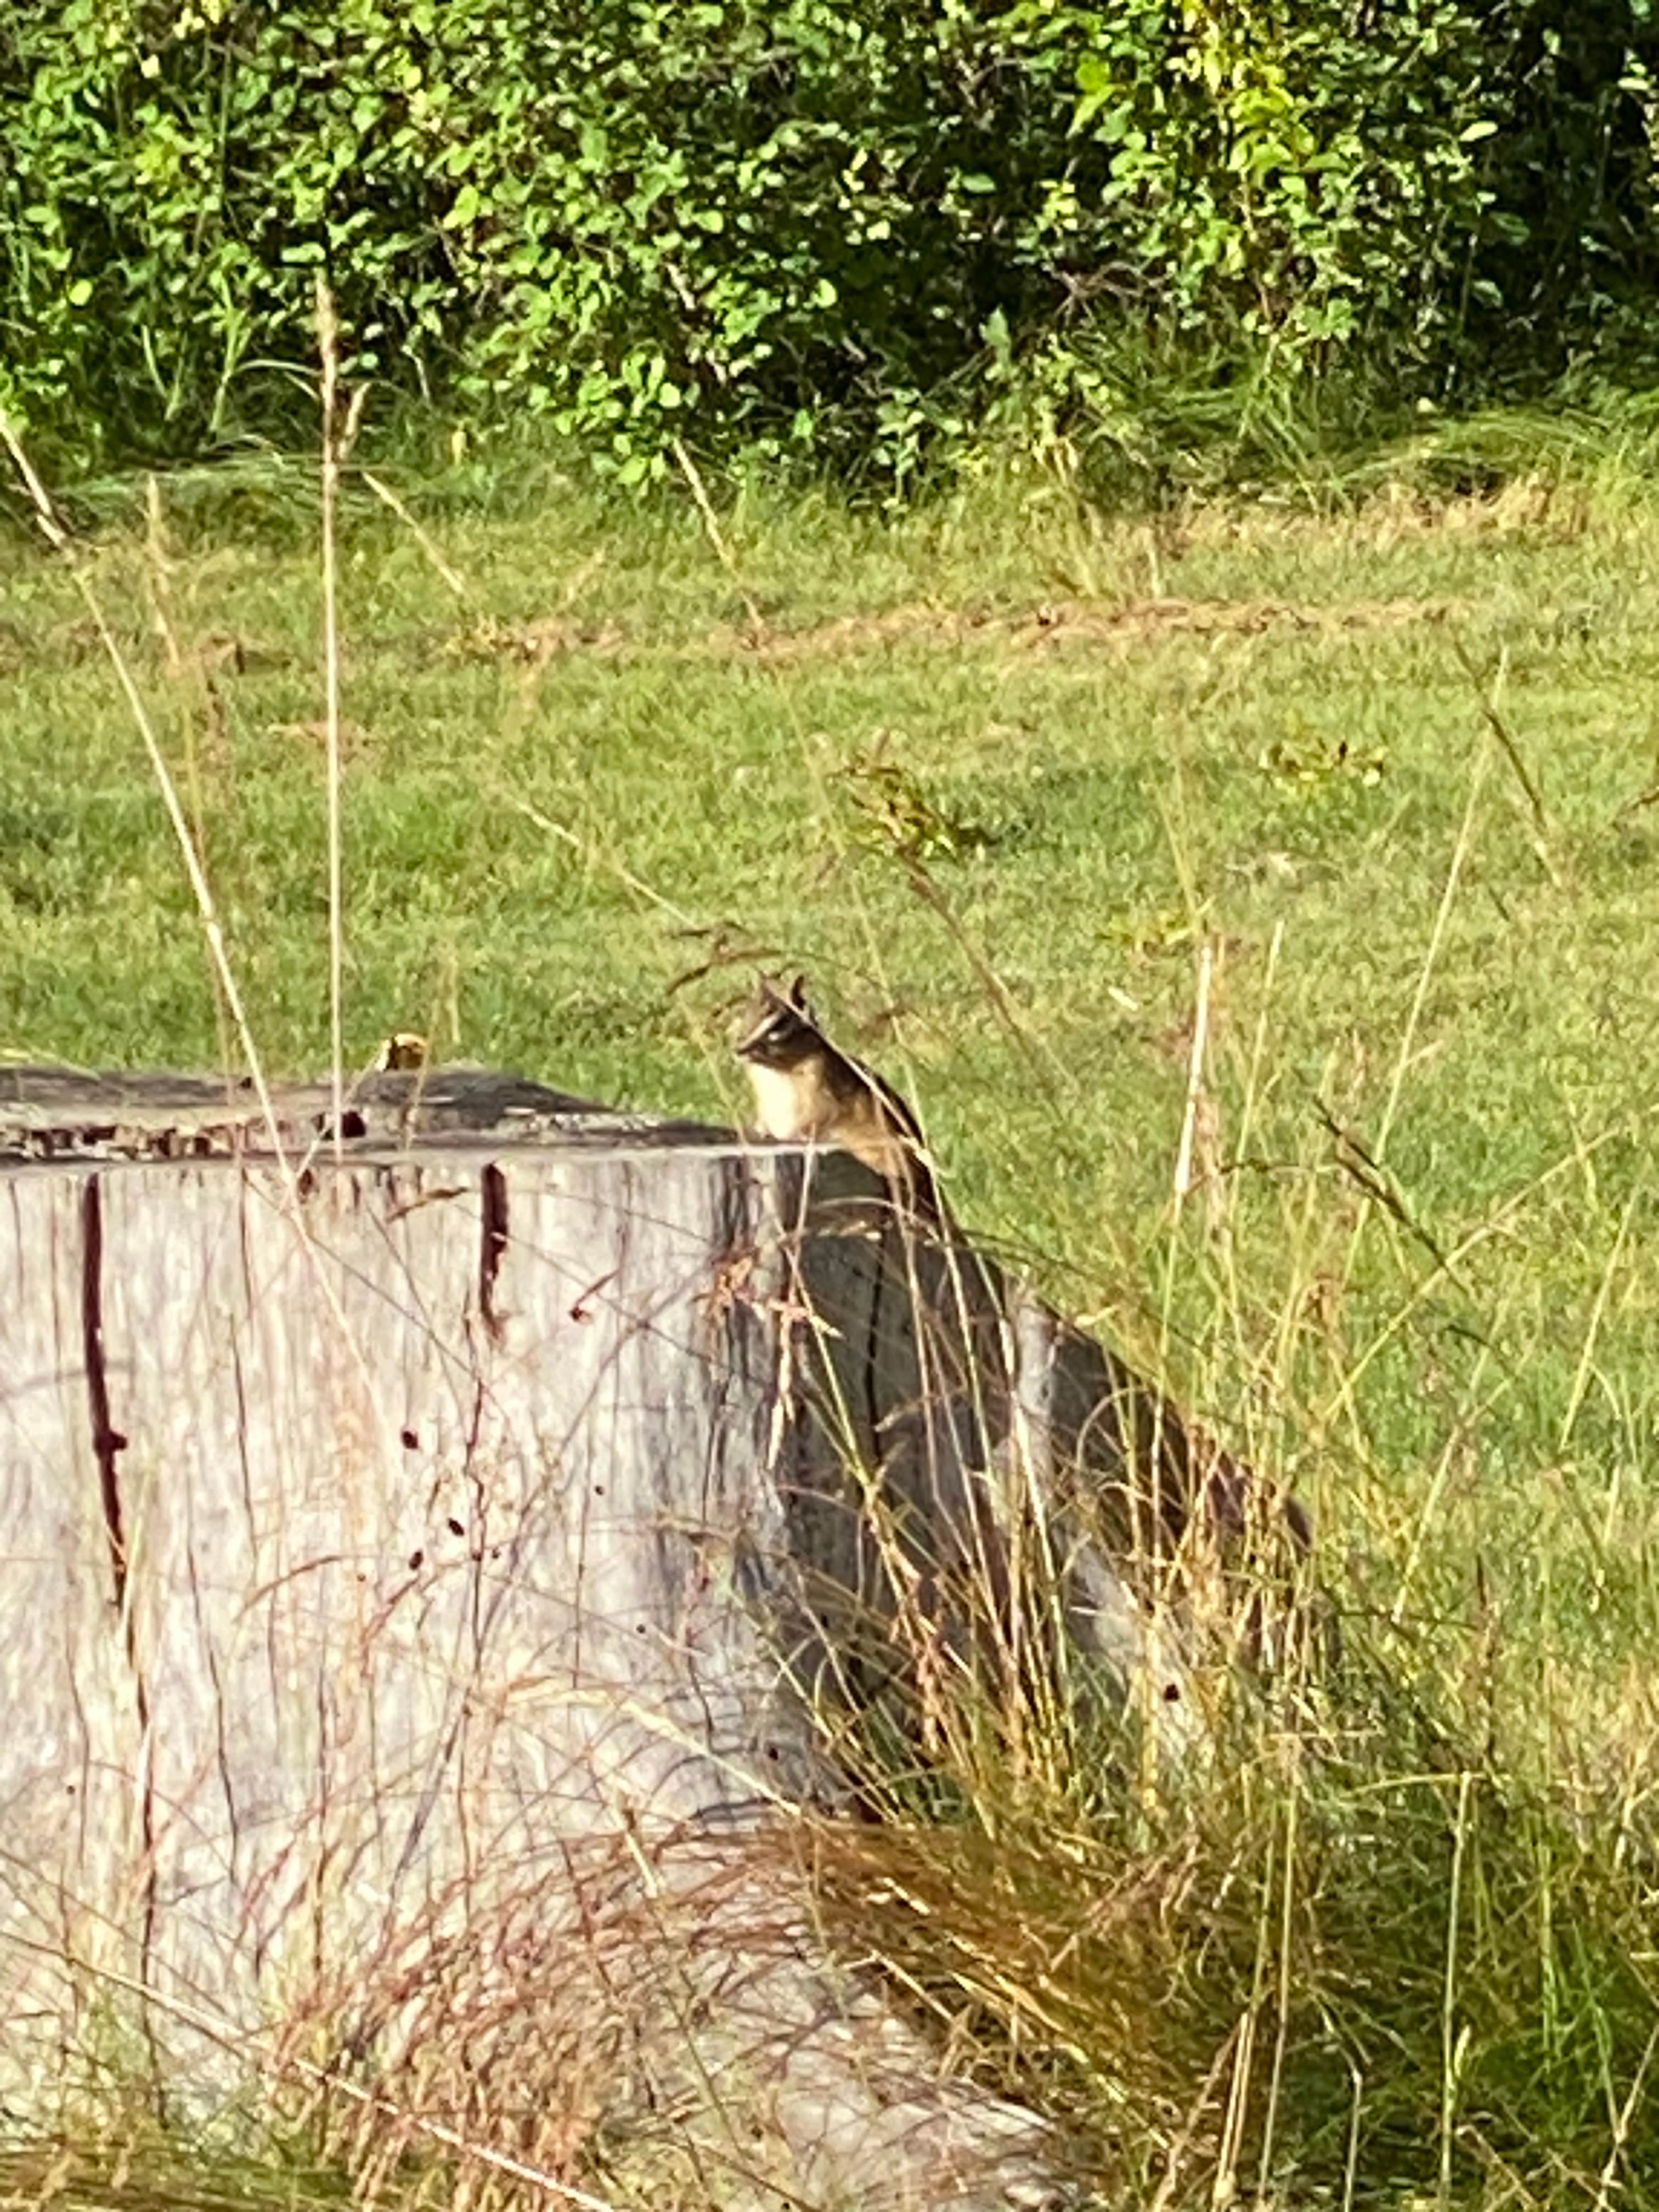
[108, 1442]
[492, 1244]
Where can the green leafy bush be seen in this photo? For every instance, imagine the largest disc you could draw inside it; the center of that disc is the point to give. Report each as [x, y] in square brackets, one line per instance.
[833, 226]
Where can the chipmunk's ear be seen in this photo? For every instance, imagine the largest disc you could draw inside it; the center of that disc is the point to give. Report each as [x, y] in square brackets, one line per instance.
[798, 995]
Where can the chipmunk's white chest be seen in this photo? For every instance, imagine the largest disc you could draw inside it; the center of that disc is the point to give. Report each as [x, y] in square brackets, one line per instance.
[788, 1100]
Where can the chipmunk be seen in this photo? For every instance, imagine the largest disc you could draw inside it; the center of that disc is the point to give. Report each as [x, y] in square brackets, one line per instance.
[806, 1092]
[402, 1051]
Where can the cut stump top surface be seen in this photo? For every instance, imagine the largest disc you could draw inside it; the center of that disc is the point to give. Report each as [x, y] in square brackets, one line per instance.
[65, 1113]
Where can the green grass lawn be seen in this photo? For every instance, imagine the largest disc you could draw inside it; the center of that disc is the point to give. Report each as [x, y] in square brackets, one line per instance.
[1001, 778]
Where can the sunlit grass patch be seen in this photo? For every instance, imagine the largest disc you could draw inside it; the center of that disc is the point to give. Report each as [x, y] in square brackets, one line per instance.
[1021, 789]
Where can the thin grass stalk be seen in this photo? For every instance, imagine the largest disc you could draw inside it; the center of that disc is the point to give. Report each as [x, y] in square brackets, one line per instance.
[1145, 1541]
[1444, 1267]
[159, 565]
[1580, 1388]
[1247, 1113]
[1461, 851]
[1453, 2040]
[1491, 715]
[710, 521]
[1225, 2184]
[1181, 2142]
[1282, 2025]
[1608, 2181]
[1183, 1166]
[1351, 2160]
[388, 498]
[328, 338]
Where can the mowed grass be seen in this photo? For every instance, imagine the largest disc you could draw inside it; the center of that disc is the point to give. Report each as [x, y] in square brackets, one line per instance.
[988, 799]
[1020, 789]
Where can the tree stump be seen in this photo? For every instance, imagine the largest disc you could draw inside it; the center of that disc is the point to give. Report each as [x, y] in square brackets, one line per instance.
[431, 1550]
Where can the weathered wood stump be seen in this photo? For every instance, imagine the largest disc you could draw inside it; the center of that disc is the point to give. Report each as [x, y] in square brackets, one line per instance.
[429, 1563]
